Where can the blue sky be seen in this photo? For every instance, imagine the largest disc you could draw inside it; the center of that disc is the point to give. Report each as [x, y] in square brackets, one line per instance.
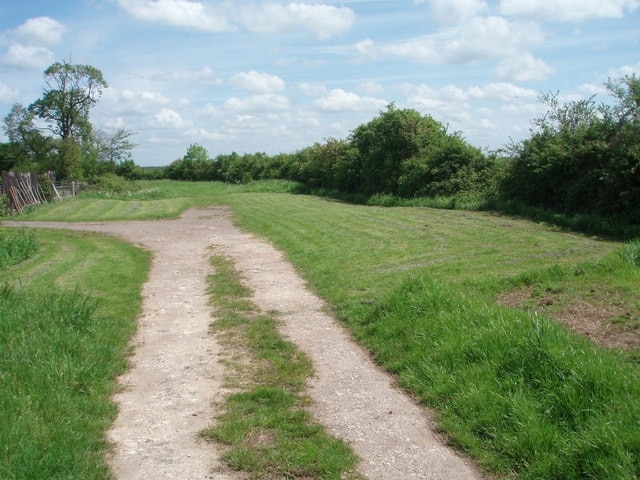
[276, 76]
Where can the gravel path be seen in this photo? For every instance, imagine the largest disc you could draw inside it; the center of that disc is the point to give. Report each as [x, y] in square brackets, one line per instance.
[168, 395]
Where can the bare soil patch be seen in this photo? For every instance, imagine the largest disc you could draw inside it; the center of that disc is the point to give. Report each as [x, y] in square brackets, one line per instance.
[169, 395]
[597, 316]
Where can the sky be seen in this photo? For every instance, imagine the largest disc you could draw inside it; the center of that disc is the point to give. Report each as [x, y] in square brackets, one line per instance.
[278, 76]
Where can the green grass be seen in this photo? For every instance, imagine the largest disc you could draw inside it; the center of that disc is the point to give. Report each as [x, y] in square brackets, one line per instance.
[418, 287]
[513, 388]
[66, 314]
[153, 200]
[88, 209]
[16, 246]
[265, 425]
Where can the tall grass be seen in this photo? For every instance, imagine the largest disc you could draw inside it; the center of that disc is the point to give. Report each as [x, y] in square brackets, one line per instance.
[619, 227]
[417, 286]
[56, 369]
[513, 388]
[16, 246]
[631, 252]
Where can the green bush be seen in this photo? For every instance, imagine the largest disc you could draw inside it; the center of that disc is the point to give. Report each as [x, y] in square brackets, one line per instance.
[583, 158]
[110, 185]
[4, 206]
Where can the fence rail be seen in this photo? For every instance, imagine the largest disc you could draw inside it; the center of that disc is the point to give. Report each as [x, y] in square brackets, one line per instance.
[24, 189]
[67, 189]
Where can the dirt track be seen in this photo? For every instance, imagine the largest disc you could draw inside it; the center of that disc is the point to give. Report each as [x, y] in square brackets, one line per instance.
[167, 396]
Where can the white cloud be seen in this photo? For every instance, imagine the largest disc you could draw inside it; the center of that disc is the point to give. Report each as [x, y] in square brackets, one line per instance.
[202, 76]
[488, 37]
[370, 88]
[258, 82]
[487, 114]
[40, 31]
[523, 67]
[445, 103]
[8, 95]
[503, 92]
[177, 13]
[313, 89]
[28, 43]
[134, 105]
[568, 10]
[28, 56]
[323, 21]
[143, 98]
[454, 103]
[170, 119]
[589, 89]
[210, 111]
[258, 103]
[301, 62]
[479, 38]
[625, 70]
[366, 48]
[337, 100]
[457, 10]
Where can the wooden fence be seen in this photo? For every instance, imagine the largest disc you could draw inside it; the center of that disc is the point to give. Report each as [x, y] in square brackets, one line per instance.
[24, 189]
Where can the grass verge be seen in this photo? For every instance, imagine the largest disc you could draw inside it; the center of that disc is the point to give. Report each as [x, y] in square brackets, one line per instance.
[515, 389]
[66, 314]
[268, 432]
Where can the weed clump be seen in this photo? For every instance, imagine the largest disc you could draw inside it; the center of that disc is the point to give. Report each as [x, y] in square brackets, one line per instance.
[16, 246]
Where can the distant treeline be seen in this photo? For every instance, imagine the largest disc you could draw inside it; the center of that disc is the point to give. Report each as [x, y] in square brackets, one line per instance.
[581, 158]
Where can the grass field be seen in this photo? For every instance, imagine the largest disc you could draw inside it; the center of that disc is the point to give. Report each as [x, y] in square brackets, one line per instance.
[421, 288]
[418, 287]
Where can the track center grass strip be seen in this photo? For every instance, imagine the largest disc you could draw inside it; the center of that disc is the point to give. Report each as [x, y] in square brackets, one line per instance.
[268, 432]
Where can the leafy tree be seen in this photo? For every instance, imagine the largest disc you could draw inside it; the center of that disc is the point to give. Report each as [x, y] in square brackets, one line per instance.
[28, 144]
[331, 165]
[7, 156]
[195, 166]
[129, 170]
[387, 141]
[69, 94]
[447, 166]
[582, 157]
[242, 168]
[113, 147]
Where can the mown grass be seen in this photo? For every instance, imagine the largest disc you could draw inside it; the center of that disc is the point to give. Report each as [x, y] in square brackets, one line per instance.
[66, 315]
[523, 395]
[265, 424]
[88, 209]
[418, 287]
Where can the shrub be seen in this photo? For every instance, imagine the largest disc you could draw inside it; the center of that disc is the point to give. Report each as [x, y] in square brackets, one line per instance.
[111, 184]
